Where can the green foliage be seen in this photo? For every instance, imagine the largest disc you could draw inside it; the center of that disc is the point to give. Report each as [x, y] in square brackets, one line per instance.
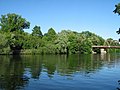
[4, 43]
[51, 32]
[37, 32]
[62, 42]
[15, 41]
[50, 35]
[13, 22]
[111, 42]
[117, 9]
[3, 40]
[96, 40]
[13, 25]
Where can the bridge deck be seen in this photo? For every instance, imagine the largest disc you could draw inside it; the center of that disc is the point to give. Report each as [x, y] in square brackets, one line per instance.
[106, 47]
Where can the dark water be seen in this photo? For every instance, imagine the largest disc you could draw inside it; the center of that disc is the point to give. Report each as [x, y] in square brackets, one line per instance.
[55, 72]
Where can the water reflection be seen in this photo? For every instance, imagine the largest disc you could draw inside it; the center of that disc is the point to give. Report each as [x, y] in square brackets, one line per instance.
[16, 71]
[11, 73]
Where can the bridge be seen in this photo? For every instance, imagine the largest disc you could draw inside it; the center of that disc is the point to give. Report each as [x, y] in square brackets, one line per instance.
[106, 47]
[102, 48]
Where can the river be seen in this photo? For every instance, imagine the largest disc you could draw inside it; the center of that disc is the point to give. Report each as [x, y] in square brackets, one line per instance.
[60, 72]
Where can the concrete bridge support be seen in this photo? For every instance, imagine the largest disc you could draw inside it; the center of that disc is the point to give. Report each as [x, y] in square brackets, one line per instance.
[102, 51]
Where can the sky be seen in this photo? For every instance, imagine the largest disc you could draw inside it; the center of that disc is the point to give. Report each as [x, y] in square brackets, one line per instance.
[77, 15]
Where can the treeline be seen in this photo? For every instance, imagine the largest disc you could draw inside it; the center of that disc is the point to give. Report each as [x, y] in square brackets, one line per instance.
[13, 39]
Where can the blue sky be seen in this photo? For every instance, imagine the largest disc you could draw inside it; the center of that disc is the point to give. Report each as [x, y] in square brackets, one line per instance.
[78, 15]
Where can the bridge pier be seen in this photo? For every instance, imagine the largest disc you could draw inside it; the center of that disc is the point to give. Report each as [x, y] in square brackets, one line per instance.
[102, 51]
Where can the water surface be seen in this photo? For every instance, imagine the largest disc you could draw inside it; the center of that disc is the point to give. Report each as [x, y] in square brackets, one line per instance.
[60, 72]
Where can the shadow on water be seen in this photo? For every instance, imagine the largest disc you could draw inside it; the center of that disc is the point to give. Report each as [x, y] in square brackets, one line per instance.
[16, 71]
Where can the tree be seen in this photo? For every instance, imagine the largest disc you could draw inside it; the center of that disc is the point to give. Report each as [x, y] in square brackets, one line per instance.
[117, 10]
[62, 42]
[51, 34]
[36, 31]
[83, 43]
[13, 22]
[48, 40]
